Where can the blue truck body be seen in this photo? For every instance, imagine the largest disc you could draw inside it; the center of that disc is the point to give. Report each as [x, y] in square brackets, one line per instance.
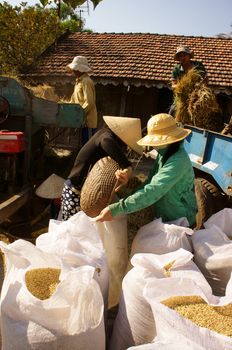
[211, 153]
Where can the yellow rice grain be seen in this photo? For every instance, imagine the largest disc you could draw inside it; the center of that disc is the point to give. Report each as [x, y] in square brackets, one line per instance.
[167, 268]
[42, 282]
[194, 308]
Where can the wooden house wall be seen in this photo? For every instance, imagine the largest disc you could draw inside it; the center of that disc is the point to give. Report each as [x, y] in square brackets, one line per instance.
[129, 101]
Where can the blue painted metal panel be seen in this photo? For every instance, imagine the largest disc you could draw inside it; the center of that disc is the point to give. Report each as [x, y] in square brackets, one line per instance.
[43, 112]
[17, 96]
[211, 153]
[70, 115]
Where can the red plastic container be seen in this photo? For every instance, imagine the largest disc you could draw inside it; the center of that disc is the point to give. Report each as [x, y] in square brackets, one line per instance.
[12, 142]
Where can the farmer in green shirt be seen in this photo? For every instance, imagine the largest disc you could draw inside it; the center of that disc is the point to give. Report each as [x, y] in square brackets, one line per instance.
[183, 56]
[170, 186]
[185, 63]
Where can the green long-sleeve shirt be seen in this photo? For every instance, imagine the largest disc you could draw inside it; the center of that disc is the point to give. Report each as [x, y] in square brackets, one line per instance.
[170, 188]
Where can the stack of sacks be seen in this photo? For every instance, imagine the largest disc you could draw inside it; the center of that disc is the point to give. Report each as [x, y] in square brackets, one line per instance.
[187, 314]
[134, 324]
[47, 305]
[159, 238]
[77, 243]
[213, 250]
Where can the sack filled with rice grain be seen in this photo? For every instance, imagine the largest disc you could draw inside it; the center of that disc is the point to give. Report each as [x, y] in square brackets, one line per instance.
[77, 243]
[48, 305]
[187, 313]
[134, 323]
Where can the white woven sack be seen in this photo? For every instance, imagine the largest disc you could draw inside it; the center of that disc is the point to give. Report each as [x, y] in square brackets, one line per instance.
[77, 242]
[172, 327]
[159, 238]
[72, 318]
[114, 237]
[134, 324]
[221, 219]
[213, 255]
[164, 345]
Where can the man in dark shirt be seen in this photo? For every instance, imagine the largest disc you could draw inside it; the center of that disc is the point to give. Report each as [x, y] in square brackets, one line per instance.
[112, 141]
[184, 57]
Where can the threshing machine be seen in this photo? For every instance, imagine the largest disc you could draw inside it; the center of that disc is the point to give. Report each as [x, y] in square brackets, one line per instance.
[21, 117]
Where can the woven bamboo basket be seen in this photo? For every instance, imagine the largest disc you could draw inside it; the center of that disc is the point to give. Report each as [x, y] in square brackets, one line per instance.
[98, 189]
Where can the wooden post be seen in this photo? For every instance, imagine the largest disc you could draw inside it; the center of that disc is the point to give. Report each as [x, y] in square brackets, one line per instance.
[12, 204]
[123, 102]
[27, 153]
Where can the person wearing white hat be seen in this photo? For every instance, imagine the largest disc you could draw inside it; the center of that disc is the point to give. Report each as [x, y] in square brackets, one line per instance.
[112, 140]
[84, 94]
[170, 186]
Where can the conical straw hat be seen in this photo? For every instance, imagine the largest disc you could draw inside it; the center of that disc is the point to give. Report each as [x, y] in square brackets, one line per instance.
[127, 129]
[51, 188]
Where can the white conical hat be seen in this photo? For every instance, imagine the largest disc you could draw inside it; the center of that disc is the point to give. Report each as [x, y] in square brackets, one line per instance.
[127, 129]
[51, 188]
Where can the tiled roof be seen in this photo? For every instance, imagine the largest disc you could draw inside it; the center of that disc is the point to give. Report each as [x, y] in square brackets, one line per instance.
[138, 58]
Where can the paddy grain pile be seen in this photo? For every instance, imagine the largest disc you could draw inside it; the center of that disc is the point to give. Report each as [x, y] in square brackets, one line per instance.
[194, 308]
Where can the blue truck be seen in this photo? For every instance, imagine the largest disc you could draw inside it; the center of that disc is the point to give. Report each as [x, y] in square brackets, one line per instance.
[211, 156]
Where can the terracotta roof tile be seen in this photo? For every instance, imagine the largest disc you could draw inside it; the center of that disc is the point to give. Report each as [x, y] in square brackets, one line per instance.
[137, 55]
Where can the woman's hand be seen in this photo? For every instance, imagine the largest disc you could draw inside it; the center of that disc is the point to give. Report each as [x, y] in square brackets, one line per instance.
[123, 176]
[105, 215]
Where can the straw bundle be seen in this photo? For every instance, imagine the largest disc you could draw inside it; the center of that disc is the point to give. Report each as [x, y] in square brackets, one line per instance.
[196, 104]
[45, 91]
[204, 109]
[182, 92]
